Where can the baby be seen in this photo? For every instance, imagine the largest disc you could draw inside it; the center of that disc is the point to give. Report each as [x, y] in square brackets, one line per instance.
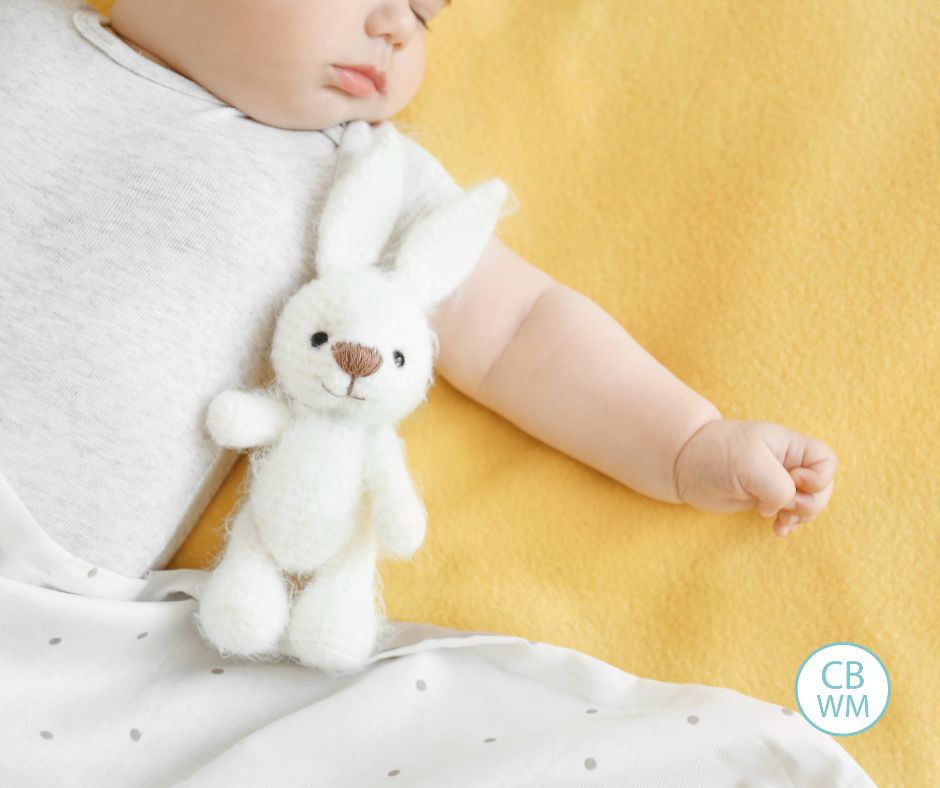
[530, 348]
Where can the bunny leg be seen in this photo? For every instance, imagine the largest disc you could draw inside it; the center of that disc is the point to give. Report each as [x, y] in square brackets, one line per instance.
[334, 623]
[244, 605]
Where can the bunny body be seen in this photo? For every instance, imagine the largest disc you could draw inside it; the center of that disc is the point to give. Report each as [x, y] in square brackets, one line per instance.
[352, 354]
[321, 462]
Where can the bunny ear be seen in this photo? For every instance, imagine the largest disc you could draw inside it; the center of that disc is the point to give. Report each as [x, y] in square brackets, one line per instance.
[364, 199]
[443, 247]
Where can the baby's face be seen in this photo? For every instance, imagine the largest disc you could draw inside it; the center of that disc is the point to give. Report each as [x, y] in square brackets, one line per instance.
[278, 60]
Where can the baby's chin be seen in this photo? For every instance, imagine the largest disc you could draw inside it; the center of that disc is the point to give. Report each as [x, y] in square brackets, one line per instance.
[374, 110]
[331, 108]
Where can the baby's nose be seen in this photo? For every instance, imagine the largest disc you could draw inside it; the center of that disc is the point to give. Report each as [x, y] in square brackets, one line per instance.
[357, 360]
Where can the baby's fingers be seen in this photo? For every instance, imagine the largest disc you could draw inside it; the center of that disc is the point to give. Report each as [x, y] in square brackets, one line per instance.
[794, 513]
[802, 509]
[817, 468]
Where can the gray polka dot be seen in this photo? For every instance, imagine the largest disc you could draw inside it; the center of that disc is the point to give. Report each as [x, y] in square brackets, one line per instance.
[142, 635]
[693, 720]
[55, 641]
[421, 685]
[46, 734]
[92, 572]
[135, 734]
[788, 712]
[217, 671]
[590, 763]
[591, 711]
[393, 772]
[487, 741]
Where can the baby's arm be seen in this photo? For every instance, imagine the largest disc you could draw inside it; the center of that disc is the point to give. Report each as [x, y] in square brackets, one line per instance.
[554, 363]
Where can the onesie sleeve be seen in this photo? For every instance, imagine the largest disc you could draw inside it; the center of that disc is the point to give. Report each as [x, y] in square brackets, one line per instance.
[426, 181]
[426, 184]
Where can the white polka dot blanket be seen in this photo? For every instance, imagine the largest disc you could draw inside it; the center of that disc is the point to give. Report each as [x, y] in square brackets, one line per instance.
[106, 682]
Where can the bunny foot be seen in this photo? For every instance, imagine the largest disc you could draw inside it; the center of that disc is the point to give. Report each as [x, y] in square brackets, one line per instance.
[244, 605]
[332, 632]
[334, 624]
[243, 613]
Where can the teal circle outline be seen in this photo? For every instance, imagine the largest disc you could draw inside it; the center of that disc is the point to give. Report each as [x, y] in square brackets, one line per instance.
[796, 684]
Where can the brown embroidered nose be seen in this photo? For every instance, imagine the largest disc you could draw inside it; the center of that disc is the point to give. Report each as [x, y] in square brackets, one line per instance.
[357, 360]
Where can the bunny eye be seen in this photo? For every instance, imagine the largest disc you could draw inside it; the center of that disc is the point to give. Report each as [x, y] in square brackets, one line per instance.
[319, 338]
[399, 358]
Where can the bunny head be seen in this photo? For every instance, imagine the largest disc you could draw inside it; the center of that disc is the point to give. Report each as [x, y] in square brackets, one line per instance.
[355, 342]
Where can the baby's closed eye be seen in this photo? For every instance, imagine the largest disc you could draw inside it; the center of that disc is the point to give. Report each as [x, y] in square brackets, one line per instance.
[426, 10]
[420, 18]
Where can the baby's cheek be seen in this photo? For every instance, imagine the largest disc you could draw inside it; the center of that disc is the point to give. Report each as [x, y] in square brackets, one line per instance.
[405, 80]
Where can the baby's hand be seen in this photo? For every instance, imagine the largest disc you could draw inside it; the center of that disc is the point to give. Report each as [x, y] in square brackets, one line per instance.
[730, 465]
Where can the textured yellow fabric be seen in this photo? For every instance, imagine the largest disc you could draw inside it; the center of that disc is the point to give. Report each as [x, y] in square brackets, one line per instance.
[751, 189]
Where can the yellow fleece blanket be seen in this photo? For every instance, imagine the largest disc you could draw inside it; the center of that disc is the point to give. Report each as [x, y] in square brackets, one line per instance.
[751, 189]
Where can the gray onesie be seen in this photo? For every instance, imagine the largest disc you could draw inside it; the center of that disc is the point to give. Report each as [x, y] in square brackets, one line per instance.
[149, 234]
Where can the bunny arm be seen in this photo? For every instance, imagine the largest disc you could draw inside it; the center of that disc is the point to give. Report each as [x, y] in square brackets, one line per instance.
[398, 516]
[242, 419]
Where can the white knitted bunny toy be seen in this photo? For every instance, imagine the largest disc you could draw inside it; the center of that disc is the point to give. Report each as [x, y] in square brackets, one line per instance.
[352, 354]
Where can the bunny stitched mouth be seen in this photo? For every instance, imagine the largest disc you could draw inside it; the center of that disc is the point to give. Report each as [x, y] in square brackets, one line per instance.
[340, 395]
